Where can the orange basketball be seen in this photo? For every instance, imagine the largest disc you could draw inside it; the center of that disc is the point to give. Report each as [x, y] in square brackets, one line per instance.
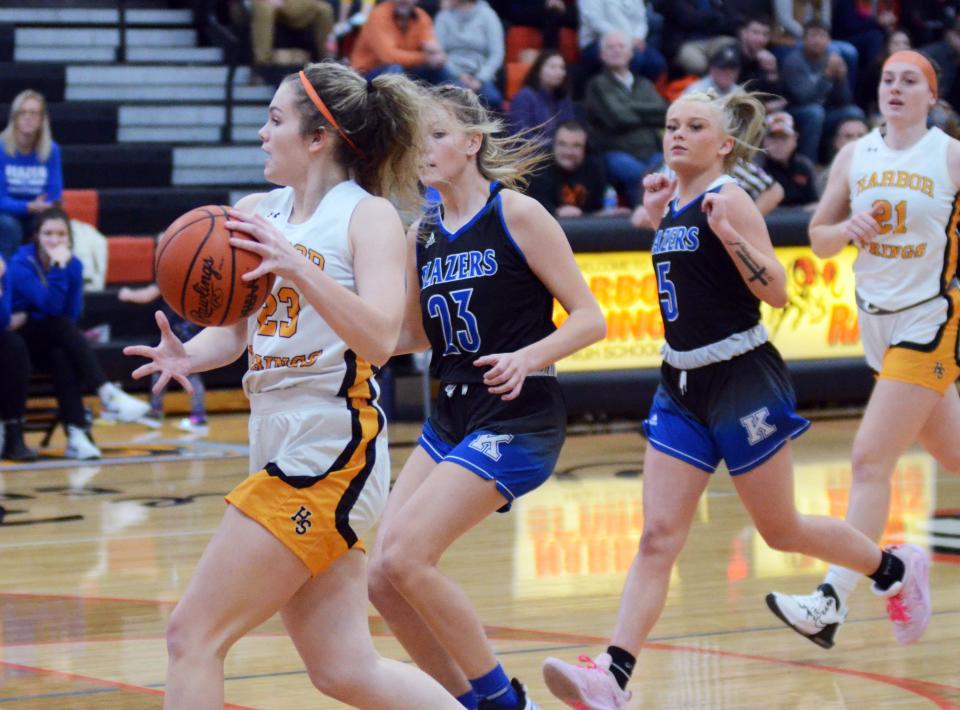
[198, 272]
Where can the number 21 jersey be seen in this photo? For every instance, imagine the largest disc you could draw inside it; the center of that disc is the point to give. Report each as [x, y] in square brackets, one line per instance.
[914, 258]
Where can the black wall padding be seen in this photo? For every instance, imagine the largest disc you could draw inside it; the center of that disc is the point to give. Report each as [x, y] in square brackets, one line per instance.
[136, 211]
[49, 79]
[79, 122]
[120, 165]
[8, 40]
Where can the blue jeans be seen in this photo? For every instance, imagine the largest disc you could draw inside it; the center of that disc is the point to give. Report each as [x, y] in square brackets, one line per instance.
[814, 123]
[625, 171]
[11, 235]
[648, 63]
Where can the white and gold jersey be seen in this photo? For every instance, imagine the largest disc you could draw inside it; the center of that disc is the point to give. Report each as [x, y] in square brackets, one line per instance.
[915, 257]
[289, 343]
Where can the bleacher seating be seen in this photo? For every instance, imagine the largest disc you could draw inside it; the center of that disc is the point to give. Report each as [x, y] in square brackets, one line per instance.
[138, 106]
[83, 205]
[130, 259]
[142, 116]
[519, 38]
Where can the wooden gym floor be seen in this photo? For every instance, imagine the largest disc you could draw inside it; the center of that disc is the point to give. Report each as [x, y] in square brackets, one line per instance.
[93, 558]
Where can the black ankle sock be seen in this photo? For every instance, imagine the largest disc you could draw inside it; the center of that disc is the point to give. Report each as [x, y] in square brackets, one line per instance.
[622, 665]
[891, 570]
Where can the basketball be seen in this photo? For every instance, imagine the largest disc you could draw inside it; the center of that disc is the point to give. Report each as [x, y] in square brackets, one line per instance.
[199, 272]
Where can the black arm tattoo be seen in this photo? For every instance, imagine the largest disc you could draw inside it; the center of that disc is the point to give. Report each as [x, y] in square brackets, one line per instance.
[757, 272]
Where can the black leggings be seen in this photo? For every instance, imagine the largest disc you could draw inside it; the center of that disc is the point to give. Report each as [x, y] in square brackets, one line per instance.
[14, 376]
[58, 347]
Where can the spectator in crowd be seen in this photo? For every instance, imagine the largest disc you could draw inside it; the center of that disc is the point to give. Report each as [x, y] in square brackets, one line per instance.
[815, 80]
[866, 94]
[351, 14]
[575, 182]
[740, 12]
[766, 193]
[196, 421]
[471, 35]
[864, 25]
[549, 16]
[624, 115]
[398, 37]
[544, 100]
[693, 31]
[265, 15]
[759, 68]
[31, 178]
[793, 15]
[848, 131]
[723, 74]
[599, 17]
[47, 284]
[946, 56]
[14, 379]
[925, 20]
[945, 117]
[794, 172]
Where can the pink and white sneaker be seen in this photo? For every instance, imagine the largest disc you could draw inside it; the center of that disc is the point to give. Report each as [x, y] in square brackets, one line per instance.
[590, 686]
[908, 601]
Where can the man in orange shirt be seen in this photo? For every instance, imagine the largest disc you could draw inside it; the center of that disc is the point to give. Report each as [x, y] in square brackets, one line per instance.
[398, 37]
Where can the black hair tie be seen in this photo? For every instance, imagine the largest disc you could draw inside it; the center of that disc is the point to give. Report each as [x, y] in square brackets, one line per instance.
[370, 87]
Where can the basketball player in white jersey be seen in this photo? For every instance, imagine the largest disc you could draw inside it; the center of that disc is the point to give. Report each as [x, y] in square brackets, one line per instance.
[894, 194]
[290, 539]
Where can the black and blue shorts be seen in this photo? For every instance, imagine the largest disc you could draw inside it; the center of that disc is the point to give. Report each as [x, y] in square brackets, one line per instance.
[514, 443]
[741, 410]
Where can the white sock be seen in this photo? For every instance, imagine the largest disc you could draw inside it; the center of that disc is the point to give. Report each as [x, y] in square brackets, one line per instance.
[844, 581]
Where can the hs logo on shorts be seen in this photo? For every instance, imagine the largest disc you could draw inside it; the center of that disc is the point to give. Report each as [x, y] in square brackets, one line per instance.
[757, 426]
[489, 444]
[302, 519]
[938, 370]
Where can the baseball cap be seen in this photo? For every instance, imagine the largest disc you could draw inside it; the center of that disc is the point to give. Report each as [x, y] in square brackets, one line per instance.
[780, 123]
[726, 58]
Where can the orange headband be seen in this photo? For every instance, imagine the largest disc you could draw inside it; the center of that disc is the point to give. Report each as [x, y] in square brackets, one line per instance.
[325, 112]
[918, 61]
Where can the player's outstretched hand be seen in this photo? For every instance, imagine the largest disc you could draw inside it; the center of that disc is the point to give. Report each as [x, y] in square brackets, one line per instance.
[506, 374]
[863, 227]
[277, 254]
[169, 358]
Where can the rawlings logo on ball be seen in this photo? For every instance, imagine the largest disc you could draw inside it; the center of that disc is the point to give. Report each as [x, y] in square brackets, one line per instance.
[209, 295]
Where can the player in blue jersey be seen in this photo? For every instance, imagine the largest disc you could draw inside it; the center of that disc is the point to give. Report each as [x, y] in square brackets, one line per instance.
[724, 391]
[485, 265]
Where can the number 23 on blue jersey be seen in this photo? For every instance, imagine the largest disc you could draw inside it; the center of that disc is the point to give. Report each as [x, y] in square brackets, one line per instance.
[462, 339]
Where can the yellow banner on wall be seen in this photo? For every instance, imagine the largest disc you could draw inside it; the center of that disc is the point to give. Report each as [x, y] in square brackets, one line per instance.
[819, 321]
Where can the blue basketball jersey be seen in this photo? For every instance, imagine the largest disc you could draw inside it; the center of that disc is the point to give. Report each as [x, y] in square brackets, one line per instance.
[478, 296]
[703, 298]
